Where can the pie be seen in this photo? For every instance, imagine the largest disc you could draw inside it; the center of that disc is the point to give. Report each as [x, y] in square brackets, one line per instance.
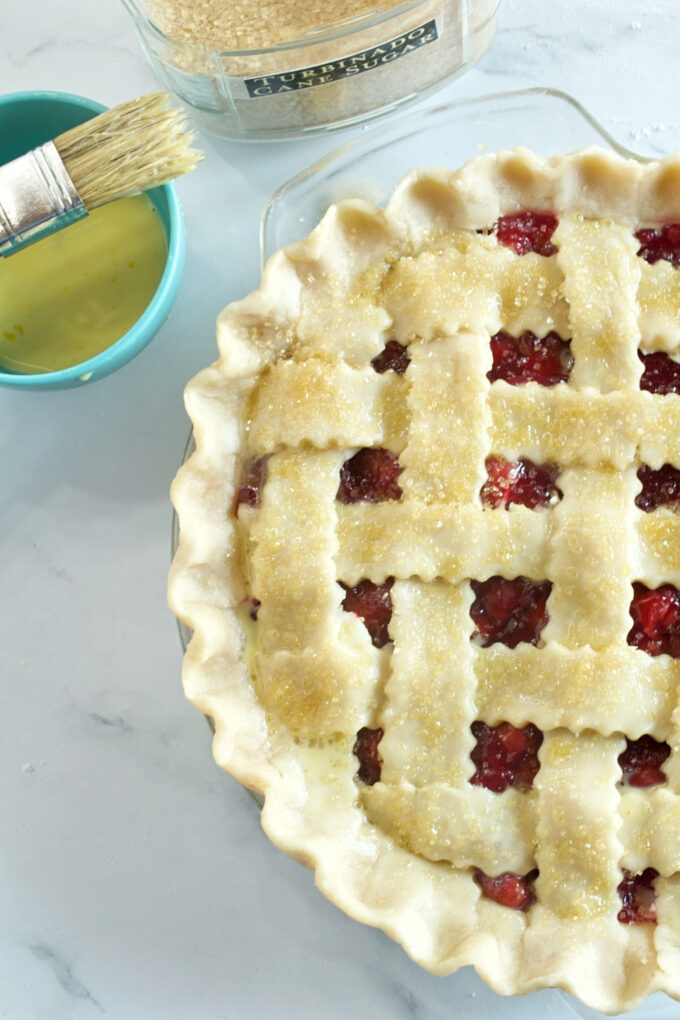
[430, 555]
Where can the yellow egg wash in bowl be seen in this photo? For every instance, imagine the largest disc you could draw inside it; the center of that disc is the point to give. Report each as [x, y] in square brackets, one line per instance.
[72, 295]
[81, 302]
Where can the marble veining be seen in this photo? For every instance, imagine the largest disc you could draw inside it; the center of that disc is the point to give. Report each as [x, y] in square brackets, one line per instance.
[63, 972]
[116, 724]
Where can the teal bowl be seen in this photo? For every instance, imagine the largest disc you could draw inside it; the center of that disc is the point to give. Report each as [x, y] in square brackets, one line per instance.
[28, 119]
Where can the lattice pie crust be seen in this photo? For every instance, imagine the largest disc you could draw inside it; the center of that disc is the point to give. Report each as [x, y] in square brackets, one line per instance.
[291, 682]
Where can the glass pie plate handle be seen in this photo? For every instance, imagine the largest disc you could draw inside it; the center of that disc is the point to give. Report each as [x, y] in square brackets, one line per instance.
[372, 164]
[369, 167]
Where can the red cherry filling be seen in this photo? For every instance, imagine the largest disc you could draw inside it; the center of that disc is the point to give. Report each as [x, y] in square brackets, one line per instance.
[393, 356]
[366, 750]
[545, 360]
[638, 897]
[373, 605]
[527, 231]
[642, 760]
[369, 476]
[252, 482]
[659, 488]
[505, 756]
[509, 611]
[660, 243]
[519, 481]
[508, 889]
[656, 620]
[660, 373]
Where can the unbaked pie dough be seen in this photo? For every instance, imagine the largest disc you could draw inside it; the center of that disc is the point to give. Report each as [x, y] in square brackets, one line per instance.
[430, 555]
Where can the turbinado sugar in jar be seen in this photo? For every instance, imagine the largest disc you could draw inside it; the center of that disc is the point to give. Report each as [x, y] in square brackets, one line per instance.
[280, 68]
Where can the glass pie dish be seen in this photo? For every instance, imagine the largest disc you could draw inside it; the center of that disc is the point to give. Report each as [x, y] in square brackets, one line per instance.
[369, 168]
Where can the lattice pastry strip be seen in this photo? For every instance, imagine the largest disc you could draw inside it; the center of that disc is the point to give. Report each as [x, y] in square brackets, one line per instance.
[617, 688]
[577, 833]
[570, 427]
[660, 419]
[590, 564]
[659, 307]
[577, 826]
[302, 569]
[448, 541]
[303, 679]
[650, 830]
[466, 827]
[672, 765]
[353, 314]
[531, 291]
[327, 405]
[601, 276]
[470, 283]
[439, 293]
[658, 550]
[429, 693]
[448, 388]
[666, 938]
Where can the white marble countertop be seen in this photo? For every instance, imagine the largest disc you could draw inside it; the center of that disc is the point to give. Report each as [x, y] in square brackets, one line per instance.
[135, 880]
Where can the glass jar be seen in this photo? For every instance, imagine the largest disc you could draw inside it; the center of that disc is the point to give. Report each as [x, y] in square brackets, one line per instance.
[328, 76]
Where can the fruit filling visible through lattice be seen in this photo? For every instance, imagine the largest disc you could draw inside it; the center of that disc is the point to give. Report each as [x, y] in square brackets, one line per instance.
[459, 556]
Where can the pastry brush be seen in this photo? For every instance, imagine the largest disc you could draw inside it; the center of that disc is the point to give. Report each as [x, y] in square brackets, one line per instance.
[140, 144]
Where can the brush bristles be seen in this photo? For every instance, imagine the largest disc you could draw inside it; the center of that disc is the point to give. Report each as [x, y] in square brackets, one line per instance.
[138, 145]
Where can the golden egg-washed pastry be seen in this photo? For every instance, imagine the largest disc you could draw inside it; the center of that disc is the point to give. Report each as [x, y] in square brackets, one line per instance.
[430, 556]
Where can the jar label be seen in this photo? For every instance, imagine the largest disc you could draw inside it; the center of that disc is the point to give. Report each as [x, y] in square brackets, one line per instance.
[346, 67]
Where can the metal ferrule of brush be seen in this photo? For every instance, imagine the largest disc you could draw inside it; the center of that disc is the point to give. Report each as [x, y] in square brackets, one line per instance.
[37, 197]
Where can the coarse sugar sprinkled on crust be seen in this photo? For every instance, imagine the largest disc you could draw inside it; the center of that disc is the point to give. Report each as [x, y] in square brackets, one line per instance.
[517, 802]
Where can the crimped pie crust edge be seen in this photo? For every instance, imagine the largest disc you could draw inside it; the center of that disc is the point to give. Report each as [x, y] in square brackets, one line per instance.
[309, 812]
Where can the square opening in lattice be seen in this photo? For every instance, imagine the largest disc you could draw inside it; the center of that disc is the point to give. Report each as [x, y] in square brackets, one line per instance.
[656, 620]
[510, 611]
[546, 360]
[520, 482]
[369, 476]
